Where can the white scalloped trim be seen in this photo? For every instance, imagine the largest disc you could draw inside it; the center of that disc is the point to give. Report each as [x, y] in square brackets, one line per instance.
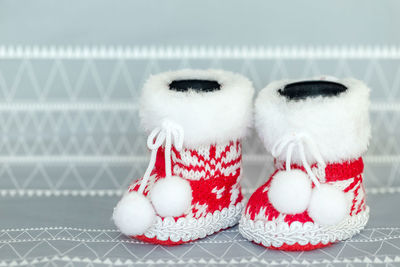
[188, 229]
[271, 234]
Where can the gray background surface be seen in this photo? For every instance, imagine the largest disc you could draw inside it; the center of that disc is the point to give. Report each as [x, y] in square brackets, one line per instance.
[70, 74]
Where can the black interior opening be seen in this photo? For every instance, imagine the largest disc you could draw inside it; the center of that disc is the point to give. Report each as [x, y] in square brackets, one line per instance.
[194, 84]
[305, 89]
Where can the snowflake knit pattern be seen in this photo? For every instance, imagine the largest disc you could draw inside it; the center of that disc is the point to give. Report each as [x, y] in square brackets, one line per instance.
[298, 231]
[213, 173]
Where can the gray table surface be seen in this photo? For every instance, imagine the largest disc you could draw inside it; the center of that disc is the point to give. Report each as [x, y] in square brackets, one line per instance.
[78, 231]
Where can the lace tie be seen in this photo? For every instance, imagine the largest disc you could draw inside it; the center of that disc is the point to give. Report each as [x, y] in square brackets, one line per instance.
[169, 133]
[299, 140]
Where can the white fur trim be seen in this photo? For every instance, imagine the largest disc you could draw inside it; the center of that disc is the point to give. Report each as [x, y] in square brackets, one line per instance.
[269, 233]
[339, 125]
[189, 229]
[328, 205]
[290, 191]
[208, 117]
[171, 196]
[134, 214]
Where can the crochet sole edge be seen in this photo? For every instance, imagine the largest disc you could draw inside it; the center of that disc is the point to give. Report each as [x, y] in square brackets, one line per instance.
[271, 234]
[185, 230]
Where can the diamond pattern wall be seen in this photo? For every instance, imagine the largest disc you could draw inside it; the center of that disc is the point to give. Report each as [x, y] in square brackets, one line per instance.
[68, 118]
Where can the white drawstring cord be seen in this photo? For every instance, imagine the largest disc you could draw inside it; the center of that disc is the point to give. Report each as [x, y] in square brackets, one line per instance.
[292, 140]
[170, 133]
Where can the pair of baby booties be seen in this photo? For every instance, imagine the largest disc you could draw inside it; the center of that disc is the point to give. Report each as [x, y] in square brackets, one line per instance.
[316, 131]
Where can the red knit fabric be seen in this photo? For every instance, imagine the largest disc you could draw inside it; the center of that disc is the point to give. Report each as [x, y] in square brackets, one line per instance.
[157, 241]
[297, 247]
[260, 208]
[335, 171]
[213, 174]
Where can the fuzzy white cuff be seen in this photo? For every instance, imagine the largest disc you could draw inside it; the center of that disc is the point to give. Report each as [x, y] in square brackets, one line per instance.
[206, 117]
[339, 125]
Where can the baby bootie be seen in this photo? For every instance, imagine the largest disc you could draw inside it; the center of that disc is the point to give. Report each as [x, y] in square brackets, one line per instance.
[316, 131]
[191, 189]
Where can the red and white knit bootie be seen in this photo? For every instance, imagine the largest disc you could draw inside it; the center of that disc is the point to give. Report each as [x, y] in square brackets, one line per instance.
[316, 131]
[191, 188]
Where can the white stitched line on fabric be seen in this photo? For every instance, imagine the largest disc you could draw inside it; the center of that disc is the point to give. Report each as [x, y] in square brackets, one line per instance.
[383, 228]
[381, 107]
[382, 190]
[132, 241]
[128, 159]
[368, 159]
[198, 52]
[382, 159]
[58, 228]
[372, 240]
[372, 190]
[72, 158]
[117, 231]
[113, 241]
[123, 106]
[59, 193]
[68, 106]
[116, 192]
[213, 261]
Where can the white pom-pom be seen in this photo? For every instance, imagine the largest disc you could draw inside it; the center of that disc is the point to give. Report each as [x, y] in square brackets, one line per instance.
[171, 196]
[134, 214]
[328, 205]
[290, 191]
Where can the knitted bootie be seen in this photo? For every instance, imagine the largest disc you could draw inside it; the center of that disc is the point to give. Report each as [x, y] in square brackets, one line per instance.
[316, 131]
[191, 188]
